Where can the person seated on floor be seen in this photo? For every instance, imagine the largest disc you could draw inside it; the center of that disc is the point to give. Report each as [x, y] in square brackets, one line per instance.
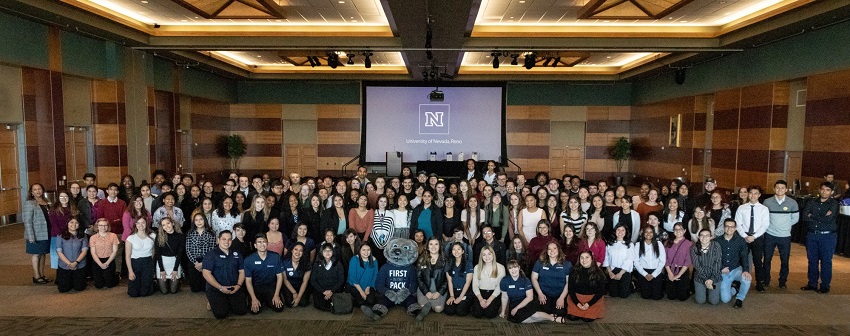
[549, 279]
[263, 277]
[72, 248]
[362, 273]
[707, 259]
[223, 269]
[586, 301]
[397, 281]
[487, 276]
[296, 277]
[518, 304]
[459, 275]
[327, 278]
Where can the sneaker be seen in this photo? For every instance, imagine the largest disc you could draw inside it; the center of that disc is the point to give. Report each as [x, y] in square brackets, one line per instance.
[760, 287]
[738, 304]
[823, 290]
[809, 288]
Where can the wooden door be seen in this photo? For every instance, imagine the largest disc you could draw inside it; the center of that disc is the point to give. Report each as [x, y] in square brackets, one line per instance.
[566, 160]
[10, 193]
[76, 152]
[301, 159]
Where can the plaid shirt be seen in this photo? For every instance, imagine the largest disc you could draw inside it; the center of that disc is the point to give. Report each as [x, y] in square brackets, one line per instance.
[197, 245]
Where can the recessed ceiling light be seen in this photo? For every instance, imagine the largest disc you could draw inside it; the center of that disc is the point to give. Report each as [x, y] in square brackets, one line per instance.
[512, 17]
[522, 1]
[260, 56]
[341, 2]
[196, 17]
[608, 57]
[144, 1]
[278, 20]
[184, 20]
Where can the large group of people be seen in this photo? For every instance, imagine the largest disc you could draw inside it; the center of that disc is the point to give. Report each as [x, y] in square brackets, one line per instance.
[549, 249]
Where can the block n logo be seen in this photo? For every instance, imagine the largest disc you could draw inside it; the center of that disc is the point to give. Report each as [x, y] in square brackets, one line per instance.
[434, 118]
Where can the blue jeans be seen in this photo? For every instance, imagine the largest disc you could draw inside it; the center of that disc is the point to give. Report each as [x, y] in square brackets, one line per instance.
[819, 249]
[771, 243]
[726, 285]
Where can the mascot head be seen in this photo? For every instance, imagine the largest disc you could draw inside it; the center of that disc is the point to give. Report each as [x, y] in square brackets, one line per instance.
[401, 252]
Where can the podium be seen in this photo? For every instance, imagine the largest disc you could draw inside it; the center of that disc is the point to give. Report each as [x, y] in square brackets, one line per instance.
[394, 161]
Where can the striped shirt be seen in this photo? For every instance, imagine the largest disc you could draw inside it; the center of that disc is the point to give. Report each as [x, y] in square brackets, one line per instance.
[707, 264]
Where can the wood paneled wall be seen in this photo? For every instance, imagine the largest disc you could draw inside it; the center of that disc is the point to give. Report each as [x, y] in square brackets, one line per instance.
[605, 124]
[109, 122]
[44, 126]
[210, 120]
[827, 124]
[527, 131]
[163, 122]
[654, 160]
[338, 137]
[260, 127]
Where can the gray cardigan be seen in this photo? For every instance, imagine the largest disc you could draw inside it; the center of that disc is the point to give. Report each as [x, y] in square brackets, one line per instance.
[35, 223]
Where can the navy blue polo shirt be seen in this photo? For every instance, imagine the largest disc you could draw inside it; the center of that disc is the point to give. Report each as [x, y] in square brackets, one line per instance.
[225, 267]
[295, 277]
[263, 272]
[515, 288]
[553, 278]
[458, 274]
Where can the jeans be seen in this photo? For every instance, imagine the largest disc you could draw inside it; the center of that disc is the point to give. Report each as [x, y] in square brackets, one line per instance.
[726, 285]
[819, 249]
[770, 245]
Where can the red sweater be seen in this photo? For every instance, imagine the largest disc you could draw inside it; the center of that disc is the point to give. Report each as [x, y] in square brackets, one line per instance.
[113, 212]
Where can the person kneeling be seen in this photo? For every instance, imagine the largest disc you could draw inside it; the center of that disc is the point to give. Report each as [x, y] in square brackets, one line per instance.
[264, 277]
[327, 278]
[397, 281]
[223, 270]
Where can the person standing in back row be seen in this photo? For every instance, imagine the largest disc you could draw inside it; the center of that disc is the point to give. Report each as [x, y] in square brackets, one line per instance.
[784, 213]
[820, 241]
[753, 218]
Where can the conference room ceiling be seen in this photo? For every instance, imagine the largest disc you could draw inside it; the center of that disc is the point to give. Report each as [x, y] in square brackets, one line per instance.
[593, 40]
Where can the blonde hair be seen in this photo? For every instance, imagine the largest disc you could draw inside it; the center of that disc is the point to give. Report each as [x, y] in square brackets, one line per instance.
[480, 267]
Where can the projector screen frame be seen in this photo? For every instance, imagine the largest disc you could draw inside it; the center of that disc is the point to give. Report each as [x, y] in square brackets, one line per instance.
[503, 157]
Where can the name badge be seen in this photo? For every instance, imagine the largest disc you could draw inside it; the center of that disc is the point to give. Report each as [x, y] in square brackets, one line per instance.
[258, 262]
[546, 268]
[222, 256]
[269, 266]
[512, 286]
[290, 269]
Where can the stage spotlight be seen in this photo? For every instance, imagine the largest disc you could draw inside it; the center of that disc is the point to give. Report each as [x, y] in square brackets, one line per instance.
[557, 60]
[679, 76]
[367, 62]
[350, 59]
[495, 59]
[333, 60]
[312, 62]
[317, 61]
[546, 62]
[530, 60]
[514, 61]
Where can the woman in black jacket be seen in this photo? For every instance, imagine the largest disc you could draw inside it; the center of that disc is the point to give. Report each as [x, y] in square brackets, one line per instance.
[336, 218]
[312, 215]
[326, 278]
[435, 227]
[290, 215]
[433, 285]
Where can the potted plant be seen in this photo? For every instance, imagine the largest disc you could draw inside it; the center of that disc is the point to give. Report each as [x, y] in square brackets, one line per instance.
[232, 147]
[620, 151]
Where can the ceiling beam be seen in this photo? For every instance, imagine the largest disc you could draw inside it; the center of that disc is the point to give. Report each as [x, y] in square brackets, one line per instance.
[269, 43]
[622, 43]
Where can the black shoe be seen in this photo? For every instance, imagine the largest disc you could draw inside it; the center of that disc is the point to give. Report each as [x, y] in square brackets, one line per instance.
[782, 286]
[809, 288]
[760, 287]
[738, 304]
[823, 290]
[737, 286]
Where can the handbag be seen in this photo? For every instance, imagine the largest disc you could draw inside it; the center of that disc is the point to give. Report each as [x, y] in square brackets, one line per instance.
[341, 303]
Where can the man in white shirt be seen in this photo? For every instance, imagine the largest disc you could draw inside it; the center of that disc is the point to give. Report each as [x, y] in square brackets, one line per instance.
[753, 219]
[784, 213]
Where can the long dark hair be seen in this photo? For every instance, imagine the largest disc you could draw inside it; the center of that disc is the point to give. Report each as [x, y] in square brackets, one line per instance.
[302, 266]
[642, 242]
[66, 234]
[698, 244]
[321, 261]
[672, 238]
[371, 259]
[594, 274]
[233, 210]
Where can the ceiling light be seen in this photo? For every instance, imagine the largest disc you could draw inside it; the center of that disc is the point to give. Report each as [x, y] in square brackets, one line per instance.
[350, 59]
[260, 56]
[522, 1]
[144, 1]
[312, 62]
[514, 61]
[341, 2]
[530, 60]
[546, 62]
[557, 60]
[495, 59]
[333, 60]
[367, 61]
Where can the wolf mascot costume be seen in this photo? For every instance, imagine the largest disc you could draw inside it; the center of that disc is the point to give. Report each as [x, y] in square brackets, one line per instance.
[397, 282]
